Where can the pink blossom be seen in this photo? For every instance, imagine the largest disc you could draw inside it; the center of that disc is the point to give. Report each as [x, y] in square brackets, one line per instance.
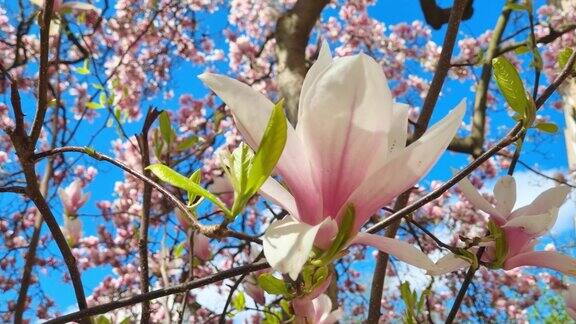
[348, 149]
[202, 249]
[72, 197]
[318, 311]
[521, 228]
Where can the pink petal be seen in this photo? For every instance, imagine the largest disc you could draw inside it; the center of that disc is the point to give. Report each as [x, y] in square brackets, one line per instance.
[315, 72]
[476, 199]
[401, 250]
[448, 263]
[252, 111]
[505, 194]
[551, 198]
[545, 259]
[345, 118]
[406, 168]
[287, 244]
[276, 193]
[534, 224]
[202, 249]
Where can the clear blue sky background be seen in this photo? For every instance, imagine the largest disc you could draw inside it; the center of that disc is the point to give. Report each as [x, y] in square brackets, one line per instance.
[551, 155]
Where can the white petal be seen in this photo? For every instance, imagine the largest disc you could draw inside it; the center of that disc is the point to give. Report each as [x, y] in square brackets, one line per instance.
[535, 224]
[82, 6]
[476, 199]
[276, 193]
[406, 168]
[401, 250]
[322, 63]
[505, 194]
[287, 244]
[448, 263]
[545, 259]
[345, 117]
[252, 111]
[396, 138]
[551, 198]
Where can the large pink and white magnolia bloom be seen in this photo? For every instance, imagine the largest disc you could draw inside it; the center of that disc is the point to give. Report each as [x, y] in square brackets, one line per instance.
[348, 148]
[521, 228]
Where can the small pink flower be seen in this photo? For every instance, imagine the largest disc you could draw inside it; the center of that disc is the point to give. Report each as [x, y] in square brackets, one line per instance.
[72, 230]
[521, 227]
[317, 311]
[252, 288]
[202, 249]
[73, 198]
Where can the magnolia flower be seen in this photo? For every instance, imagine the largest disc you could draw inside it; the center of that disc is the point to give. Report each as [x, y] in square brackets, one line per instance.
[347, 149]
[520, 228]
[202, 249]
[72, 230]
[252, 288]
[317, 311]
[61, 7]
[570, 300]
[73, 198]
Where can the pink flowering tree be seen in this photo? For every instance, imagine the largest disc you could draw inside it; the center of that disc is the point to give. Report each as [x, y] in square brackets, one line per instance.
[287, 161]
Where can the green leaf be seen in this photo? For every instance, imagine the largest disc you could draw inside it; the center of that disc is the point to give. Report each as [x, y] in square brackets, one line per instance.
[174, 178]
[179, 249]
[285, 305]
[102, 98]
[85, 69]
[102, 320]
[94, 105]
[537, 59]
[272, 285]
[126, 320]
[516, 6]
[501, 246]
[187, 143]
[270, 149]
[239, 301]
[165, 128]
[564, 56]
[342, 237]
[97, 86]
[547, 127]
[510, 85]
[522, 50]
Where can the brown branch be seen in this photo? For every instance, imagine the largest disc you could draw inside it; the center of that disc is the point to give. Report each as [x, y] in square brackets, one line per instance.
[104, 308]
[292, 34]
[13, 189]
[214, 231]
[430, 101]
[145, 218]
[43, 74]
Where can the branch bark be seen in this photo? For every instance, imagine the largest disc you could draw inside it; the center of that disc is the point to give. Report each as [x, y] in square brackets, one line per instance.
[292, 35]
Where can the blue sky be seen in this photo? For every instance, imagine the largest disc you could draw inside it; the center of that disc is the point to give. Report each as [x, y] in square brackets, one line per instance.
[549, 156]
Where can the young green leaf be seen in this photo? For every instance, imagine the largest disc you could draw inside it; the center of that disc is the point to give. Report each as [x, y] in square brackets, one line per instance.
[239, 301]
[187, 143]
[165, 128]
[547, 127]
[179, 249]
[510, 85]
[94, 105]
[270, 149]
[85, 69]
[563, 56]
[174, 178]
[272, 285]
